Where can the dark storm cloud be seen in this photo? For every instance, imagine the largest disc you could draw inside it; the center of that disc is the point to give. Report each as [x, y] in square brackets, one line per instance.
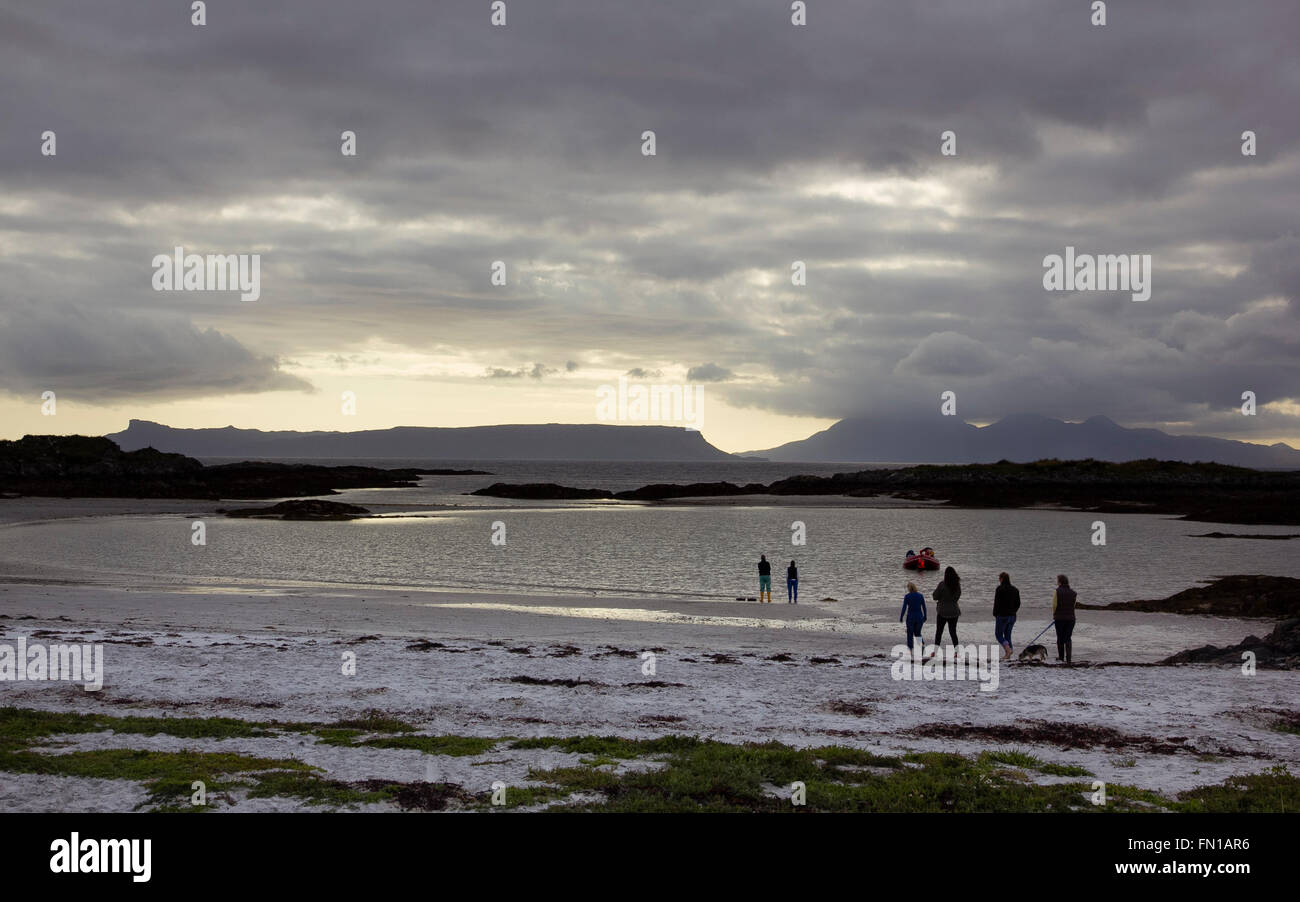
[102, 355]
[775, 144]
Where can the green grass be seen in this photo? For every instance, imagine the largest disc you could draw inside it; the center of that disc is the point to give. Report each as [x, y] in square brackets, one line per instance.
[1017, 758]
[1275, 790]
[20, 727]
[1289, 724]
[314, 789]
[608, 746]
[712, 776]
[688, 773]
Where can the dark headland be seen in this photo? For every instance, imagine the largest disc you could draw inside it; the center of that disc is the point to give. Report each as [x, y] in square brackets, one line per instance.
[78, 466]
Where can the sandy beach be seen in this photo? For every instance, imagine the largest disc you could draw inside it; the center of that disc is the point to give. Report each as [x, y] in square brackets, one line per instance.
[511, 666]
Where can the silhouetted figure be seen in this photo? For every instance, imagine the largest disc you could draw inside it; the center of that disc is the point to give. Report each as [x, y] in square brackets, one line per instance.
[914, 611]
[946, 609]
[1006, 601]
[764, 579]
[1063, 617]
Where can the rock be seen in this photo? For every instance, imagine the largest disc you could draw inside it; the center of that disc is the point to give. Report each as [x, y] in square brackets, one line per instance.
[94, 467]
[1208, 492]
[540, 491]
[1279, 650]
[1227, 596]
[309, 509]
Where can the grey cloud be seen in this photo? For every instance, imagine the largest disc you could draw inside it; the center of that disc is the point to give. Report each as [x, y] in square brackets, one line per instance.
[103, 355]
[709, 372]
[521, 144]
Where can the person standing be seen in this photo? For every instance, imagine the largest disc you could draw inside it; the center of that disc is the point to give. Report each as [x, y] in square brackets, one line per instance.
[792, 584]
[946, 608]
[914, 611]
[764, 579]
[1063, 600]
[1006, 601]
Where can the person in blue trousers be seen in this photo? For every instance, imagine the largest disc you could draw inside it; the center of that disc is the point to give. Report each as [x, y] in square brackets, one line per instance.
[914, 611]
[792, 584]
[1006, 602]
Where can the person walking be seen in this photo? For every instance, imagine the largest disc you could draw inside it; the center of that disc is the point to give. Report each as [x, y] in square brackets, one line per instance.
[792, 584]
[946, 608]
[1006, 601]
[764, 579]
[914, 611]
[1063, 600]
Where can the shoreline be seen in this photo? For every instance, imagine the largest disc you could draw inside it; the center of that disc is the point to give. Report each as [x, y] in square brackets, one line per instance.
[498, 672]
[463, 670]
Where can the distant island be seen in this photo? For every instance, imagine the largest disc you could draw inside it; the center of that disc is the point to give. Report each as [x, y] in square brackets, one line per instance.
[918, 438]
[553, 441]
[1206, 492]
[1021, 437]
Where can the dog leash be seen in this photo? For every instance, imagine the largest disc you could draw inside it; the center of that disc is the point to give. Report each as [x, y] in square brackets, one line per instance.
[1040, 635]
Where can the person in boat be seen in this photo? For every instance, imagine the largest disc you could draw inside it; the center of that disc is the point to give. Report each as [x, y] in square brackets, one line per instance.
[914, 611]
[1063, 600]
[946, 609]
[1006, 601]
[792, 584]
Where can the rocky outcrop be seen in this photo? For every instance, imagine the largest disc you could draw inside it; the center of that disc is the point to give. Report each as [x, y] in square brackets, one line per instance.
[1209, 492]
[1279, 650]
[662, 491]
[309, 509]
[1227, 596]
[92, 467]
[541, 491]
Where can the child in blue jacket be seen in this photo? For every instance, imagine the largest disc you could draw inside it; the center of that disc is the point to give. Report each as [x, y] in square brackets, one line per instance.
[914, 611]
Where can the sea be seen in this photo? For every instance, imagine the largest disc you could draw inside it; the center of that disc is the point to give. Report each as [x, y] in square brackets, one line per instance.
[437, 536]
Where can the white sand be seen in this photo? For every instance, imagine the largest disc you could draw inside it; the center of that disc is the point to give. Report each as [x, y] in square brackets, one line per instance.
[276, 654]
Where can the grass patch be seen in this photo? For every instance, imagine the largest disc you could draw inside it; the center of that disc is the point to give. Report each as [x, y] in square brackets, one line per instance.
[1016, 758]
[1276, 790]
[713, 776]
[609, 746]
[22, 727]
[691, 775]
[316, 790]
[167, 776]
[1288, 724]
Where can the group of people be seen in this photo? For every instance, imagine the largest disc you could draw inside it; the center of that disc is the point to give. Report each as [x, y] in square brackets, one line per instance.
[1006, 603]
[765, 581]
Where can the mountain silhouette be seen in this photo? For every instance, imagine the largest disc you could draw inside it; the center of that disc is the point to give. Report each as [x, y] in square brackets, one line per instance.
[553, 441]
[1020, 437]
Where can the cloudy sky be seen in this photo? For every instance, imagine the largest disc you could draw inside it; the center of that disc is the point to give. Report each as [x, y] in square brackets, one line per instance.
[522, 143]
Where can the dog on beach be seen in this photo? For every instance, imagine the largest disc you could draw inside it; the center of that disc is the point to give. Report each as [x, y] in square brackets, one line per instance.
[1034, 653]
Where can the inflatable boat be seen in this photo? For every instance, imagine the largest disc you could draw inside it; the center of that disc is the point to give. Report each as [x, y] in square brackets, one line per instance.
[925, 560]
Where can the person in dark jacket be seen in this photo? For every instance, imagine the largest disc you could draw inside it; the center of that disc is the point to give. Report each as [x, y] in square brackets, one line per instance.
[946, 609]
[914, 610]
[1006, 601]
[792, 584]
[1063, 617]
[764, 579]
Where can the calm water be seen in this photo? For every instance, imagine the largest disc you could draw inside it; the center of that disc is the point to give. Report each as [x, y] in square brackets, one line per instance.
[436, 537]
